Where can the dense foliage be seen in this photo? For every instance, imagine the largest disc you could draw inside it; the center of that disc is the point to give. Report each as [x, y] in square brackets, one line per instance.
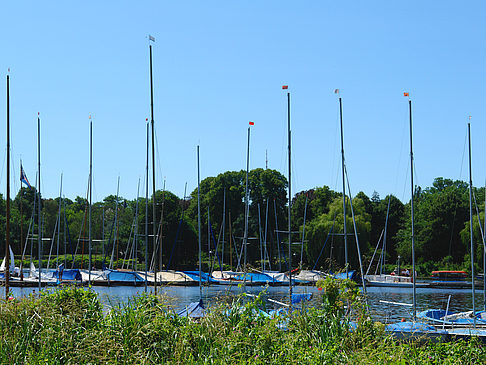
[119, 236]
[69, 326]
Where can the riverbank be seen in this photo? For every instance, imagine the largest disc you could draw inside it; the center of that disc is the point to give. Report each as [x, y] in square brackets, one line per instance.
[69, 326]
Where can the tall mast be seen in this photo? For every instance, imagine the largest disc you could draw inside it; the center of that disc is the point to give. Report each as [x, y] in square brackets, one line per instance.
[224, 223]
[290, 199]
[59, 225]
[209, 242]
[146, 207]
[7, 224]
[21, 231]
[39, 224]
[484, 253]
[278, 238]
[303, 233]
[471, 224]
[160, 235]
[199, 221]
[154, 225]
[414, 304]
[344, 188]
[245, 235]
[90, 195]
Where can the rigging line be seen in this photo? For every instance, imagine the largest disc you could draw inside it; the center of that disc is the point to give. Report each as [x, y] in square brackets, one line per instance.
[479, 218]
[157, 156]
[404, 136]
[355, 233]
[283, 149]
[374, 253]
[334, 147]
[93, 182]
[455, 208]
[463, 155]
[81, 229]
[3, 165]
[14, 175]
[416, 179]
[325, 242]
[405, 184]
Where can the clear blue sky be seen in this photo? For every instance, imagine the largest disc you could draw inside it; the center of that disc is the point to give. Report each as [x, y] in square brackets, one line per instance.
[220, 64]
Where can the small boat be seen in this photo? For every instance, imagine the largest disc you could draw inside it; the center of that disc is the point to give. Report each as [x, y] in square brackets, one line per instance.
[466, 333]
[440, 316]
[396, 281]
[416, 331]
[193, 310]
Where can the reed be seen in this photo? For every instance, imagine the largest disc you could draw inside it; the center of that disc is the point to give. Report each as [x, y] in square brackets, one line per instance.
[70, 326]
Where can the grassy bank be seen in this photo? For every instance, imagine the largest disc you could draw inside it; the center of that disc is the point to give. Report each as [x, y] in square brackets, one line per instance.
[69, 326]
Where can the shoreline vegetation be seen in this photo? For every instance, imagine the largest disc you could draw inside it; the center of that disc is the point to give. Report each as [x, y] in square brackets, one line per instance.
[441, 228]
[70, 326]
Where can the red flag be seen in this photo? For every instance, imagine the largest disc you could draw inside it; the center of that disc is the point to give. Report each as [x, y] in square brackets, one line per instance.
[251, 123]
[406, 94]
[285, 87]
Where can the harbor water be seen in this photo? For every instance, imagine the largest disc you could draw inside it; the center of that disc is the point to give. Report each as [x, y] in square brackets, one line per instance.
[179, 296]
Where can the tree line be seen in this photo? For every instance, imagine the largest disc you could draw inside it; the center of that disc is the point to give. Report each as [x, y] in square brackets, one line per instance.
[119, 239]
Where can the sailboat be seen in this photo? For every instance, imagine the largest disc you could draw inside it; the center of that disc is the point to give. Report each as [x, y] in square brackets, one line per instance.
[413, 329]
[388, 280]
[466, 319]
[196, 309]
[12, 268]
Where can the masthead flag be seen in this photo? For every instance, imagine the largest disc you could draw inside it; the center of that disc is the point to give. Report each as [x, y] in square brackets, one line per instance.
[152, 39]
[406, 94]
[23, 177]
[252, 123]
[336, 91]
[285, 87]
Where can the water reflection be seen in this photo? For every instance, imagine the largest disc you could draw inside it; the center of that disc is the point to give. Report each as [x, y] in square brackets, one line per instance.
[178, 297]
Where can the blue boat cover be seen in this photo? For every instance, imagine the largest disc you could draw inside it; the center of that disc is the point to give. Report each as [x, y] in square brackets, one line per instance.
[352, 275]
[193, 310]
[433, 314]
[297, 298]
[410, 327]
[194, 275]
[254, 277]
[124, 276]
[68, 274]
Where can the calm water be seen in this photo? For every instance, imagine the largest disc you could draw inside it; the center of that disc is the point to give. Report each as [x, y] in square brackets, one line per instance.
[461, 299]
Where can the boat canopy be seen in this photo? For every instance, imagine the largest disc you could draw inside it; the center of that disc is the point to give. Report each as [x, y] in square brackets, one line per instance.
[68, 274]
[193, 310]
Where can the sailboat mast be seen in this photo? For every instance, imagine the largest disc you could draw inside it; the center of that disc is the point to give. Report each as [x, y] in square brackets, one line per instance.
[303, 233]
[290, 199]
[199, 220]
[90, 242]
[146, 208]
[59, 225]
[224, 223]
[414, 302]
[471, 225]
[7, 223]
[245, 235]
[39, 224]
[344, 188]
[154, 220]
[484, 254]
[21, 232]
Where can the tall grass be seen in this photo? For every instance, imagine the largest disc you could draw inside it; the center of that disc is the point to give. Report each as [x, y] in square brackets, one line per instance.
[69, 326]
